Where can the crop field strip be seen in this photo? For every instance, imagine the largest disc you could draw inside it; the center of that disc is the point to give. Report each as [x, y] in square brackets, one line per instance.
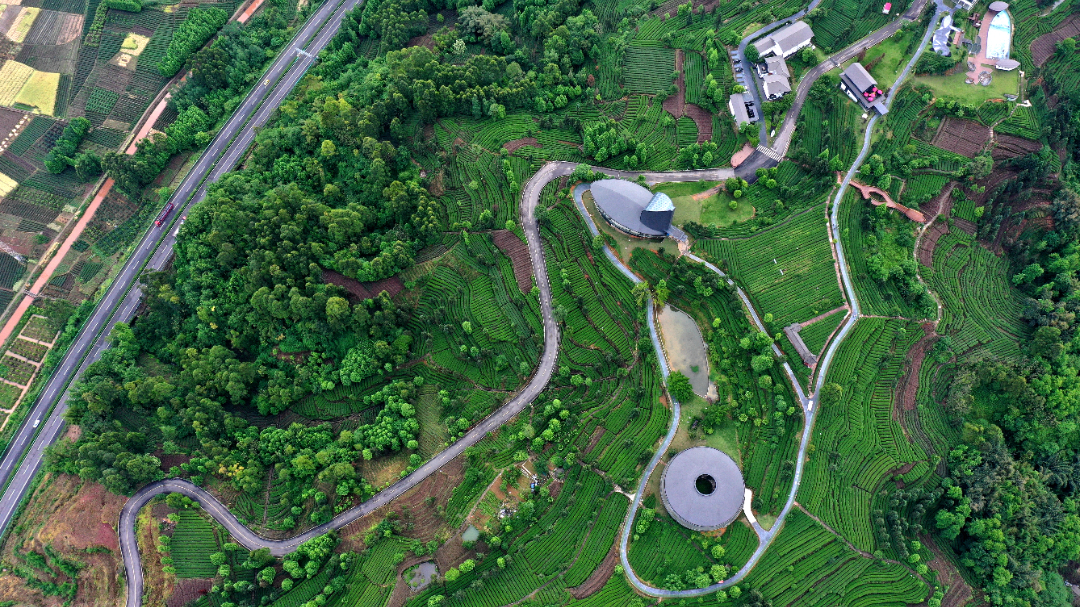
[842, 22]
[814, 335]
[811, 567]
[193, 541]
[787, 270]
[857, 440]
[981, 311]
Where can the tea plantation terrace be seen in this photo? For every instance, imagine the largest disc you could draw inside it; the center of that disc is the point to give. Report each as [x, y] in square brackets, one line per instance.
[632, 208]
[702, 488]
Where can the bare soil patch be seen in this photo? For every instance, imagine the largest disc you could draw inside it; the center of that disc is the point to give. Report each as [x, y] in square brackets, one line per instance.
[941, 202]
[515, 145]
[959, 592]
[69, 515]
[599, 577]
[426, 41]
[421, 520]
[929, 241]
[738, 157]
[674, 104]
[9, 119]
[511, 245]
[1011, 146]
[364, 290]
[702, 119]
[965, 225]
[909, 383]
[186, 591]
[1043, 47]
[964, 137]
[989, 183]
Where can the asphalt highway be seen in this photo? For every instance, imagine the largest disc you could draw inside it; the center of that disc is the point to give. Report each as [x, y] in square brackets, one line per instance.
[23, 458]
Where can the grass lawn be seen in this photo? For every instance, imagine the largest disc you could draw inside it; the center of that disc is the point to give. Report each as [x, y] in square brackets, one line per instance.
[712, 210]
[724, 438]
[624, 245]
[40, 92]
[954, 86]
[892, 56]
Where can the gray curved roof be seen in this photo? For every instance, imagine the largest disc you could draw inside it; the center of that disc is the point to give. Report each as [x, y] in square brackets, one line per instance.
[621, 202]
[999, 6]
[683, 501]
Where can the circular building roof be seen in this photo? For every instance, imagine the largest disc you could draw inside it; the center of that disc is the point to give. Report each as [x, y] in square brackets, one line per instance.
[999, 6]
[702, 488]
[622, 202]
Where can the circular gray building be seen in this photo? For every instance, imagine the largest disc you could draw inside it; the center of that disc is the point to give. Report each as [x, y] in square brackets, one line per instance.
[702, 488]
[632, 208]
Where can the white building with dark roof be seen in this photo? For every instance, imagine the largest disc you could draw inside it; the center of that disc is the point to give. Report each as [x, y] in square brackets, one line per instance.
[775, 78]
[785, 41]
[861, 87]
[737, 105]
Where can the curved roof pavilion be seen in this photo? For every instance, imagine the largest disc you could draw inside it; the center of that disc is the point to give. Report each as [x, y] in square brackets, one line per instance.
[702, 488]
[633, 208]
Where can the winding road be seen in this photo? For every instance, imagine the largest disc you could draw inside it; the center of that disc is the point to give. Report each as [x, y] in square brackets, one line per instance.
[230, 144]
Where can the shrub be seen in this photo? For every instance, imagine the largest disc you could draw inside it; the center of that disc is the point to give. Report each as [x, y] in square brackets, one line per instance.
[59, 157]
[200, 26]
[131, 6]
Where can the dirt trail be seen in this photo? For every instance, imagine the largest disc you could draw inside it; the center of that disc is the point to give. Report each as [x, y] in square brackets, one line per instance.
[867, 190]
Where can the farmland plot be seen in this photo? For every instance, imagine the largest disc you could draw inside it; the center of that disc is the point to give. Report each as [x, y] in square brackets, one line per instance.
[648, 69]
[963, 137]
[788, 270]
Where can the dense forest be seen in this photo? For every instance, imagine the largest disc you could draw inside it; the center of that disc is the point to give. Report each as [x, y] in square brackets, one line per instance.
[1012, 498]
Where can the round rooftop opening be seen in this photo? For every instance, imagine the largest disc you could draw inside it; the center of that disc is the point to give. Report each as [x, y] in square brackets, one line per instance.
[702, 488]
[705, 484]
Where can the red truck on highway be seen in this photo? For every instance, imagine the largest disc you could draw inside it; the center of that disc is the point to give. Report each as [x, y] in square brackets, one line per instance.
[164, 214]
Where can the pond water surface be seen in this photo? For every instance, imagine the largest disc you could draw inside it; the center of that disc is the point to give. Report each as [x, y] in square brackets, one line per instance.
[685, 348]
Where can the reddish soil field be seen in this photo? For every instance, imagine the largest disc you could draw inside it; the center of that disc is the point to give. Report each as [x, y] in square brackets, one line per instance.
[959, 592]
[187, 591]
[70, 515]
[702, 119]
[989, 183]
[965, 225]
[941, 203]
[599, 577]
[964, 137]
[412, 508]
[674, 104]
[909, 383]
[928, 242]
[515, 145]
[364, 290]
[509, 243]
[8, 120]
[1043, 47]
[1010, 146]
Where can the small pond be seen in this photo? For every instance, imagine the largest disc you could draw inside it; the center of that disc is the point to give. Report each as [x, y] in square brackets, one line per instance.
[685, 348]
